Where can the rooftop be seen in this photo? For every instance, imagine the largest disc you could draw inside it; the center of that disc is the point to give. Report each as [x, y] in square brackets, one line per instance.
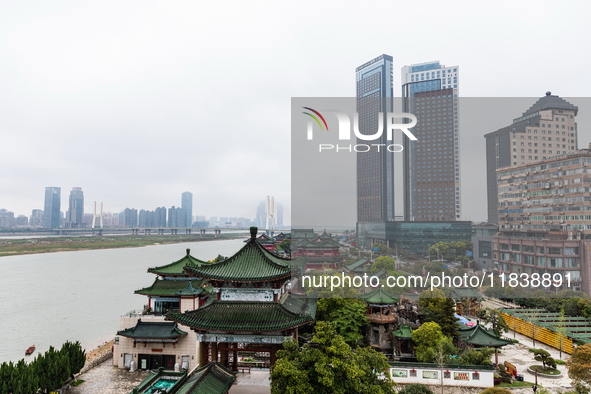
[252, 263]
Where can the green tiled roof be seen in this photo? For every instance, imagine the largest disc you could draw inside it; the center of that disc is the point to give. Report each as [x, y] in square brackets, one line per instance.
[478, 336]
[357, 264]
[465, 292]
[190, 290]
[252, 263]
[162, 287]
[403, 332]
[176, 267]
[154, 376]
[212, 378]
[249, 316]
[152, 330]
[378, 296]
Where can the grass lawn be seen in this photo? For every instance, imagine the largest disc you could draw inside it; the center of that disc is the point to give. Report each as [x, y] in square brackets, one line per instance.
[77, 382]
[516, 384]
[541, 370]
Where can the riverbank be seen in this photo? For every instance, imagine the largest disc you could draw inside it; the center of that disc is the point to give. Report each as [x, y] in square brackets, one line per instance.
[15, 247]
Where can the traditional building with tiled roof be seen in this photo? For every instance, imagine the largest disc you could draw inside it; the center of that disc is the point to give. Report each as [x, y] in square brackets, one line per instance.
[381, 313]
[145, 340]
[212, 378]
[251, 310]
[317, 249]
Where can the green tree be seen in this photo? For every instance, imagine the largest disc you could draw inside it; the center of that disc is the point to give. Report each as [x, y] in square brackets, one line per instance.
[479, 356]
[436, 307]
[385, 263]
[285, 245]
[76, 356]
[328, 366]
[579, 368]
[496, 321]
[348, 314]
[415, 388]
[544, 357]
[383, 249]
[428, 340]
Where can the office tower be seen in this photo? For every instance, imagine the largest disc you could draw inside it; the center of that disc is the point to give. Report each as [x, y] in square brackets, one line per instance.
[51, 212]
[375, 168]
[432, 164]
[279, 214]
[75, 214]
[187, 207]
[545, 130]
[545, 225]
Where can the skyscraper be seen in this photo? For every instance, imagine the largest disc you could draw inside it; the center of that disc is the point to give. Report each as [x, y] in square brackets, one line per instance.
[261, 215]
[432, 164]
[75, 214]
[51, 211]
[187, 207]
[545, 130]
[375, 168]
[279, 214]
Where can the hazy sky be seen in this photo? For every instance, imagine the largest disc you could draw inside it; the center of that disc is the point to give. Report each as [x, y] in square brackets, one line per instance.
[139, 101]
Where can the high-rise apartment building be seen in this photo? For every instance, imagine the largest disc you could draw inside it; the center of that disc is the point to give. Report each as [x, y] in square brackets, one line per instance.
[130, 217]
[75, 214]
[432, 164]
[187, 207]
[375, 168]
[51, 211]
[547, 129]
[545, 217]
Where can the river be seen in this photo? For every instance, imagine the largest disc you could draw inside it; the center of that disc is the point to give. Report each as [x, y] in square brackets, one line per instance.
[46, 299]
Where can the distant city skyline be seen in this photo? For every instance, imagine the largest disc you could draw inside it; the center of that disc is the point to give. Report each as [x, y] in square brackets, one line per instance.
[74, 215]
[115, 103]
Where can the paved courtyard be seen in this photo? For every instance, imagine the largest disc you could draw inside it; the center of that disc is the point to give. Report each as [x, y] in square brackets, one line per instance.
[107, 379]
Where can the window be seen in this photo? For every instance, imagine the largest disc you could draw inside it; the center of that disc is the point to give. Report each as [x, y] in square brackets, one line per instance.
[554, 250]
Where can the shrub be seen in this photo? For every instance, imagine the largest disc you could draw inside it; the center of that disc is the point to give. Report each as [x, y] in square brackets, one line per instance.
[416, 388]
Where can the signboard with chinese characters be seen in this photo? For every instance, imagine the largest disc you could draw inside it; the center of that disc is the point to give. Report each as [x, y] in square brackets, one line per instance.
[461, 376]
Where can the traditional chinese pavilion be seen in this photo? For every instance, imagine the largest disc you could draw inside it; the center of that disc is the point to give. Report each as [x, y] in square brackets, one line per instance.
[251, 309]
[467, 300]
[317, 249]
[478, 336]
[144, 338]
[381, 313]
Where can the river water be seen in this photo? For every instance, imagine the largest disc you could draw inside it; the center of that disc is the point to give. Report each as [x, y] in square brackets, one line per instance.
[47, 299]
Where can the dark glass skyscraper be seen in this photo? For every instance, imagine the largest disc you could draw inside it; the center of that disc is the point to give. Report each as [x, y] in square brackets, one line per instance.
[432, 164]
[51, 211]
[375, 168]
[75, 214]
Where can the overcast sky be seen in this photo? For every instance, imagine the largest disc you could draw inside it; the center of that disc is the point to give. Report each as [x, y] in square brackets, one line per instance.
[139, 101]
